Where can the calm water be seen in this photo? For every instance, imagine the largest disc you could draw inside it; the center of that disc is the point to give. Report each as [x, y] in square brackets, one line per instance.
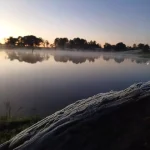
[45, 81]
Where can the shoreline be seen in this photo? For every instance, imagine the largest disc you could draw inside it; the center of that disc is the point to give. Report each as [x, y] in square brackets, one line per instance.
[10, 127]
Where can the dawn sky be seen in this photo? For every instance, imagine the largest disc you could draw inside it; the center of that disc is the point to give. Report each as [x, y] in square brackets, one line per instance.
[109, 21]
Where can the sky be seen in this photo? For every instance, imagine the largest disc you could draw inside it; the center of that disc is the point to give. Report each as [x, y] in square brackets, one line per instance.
[109, 21]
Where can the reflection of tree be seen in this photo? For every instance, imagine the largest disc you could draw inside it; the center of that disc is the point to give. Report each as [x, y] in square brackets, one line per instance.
[106, 58]
[119, 60]
[91, 59]
[116, 59]
[138, 61]
[27, 57]
[74, 59]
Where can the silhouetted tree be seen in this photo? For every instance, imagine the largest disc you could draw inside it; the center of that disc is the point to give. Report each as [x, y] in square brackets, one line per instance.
[93, 45]
[82, 44]
[134, 46]
[141, 46]
[146, 48]
[60, 42]
[71, 44]
[20, 41]
[52, 45]
[129, 48]
[46, 43]
[56, 42]
[107, 46]
[63, 42]
[32, 41]
[120, 46]
[76, 42]
[29, 40]
[11, 41]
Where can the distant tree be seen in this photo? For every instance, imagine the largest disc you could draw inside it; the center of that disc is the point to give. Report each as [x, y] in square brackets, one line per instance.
[107, 46]
[76, 42]
[11, 41]
[32, 41]
[52, 45]
[20, 41]
[146, 48]
[60, 42]
[129, 48]
[99, 46]
[38, 41]
[83, 43]
[120, 46]
[134, 46]
[56, 42]
[93, 45]
[113, 47]
[64, 42]
[71, 44]
[47, 43]
[141, 46]
[29, 40]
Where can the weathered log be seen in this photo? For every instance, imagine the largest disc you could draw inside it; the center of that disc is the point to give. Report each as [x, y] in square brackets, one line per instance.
[116, 120]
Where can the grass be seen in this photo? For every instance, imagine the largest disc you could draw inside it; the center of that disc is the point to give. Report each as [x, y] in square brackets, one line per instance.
[9, 127]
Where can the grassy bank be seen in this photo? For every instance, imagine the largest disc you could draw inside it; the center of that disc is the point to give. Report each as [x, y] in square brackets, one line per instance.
[9, 127]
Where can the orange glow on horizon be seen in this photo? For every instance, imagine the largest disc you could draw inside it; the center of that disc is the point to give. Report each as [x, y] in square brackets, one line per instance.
[7, 30]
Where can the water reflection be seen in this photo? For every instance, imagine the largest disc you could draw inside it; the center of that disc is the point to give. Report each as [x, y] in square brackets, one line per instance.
[74, 59]
[63, 77]
[116, 59]
[39, 56]
[27, 57]
[121, 58]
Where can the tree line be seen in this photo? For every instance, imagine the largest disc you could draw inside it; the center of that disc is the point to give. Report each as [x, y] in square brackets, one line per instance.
[76, 43]
[122, 46]
[26, 41]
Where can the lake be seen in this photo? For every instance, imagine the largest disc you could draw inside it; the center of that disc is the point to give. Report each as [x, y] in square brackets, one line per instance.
[44, 81]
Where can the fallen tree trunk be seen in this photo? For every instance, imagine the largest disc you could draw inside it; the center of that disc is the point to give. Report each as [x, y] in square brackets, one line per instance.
[115, 120]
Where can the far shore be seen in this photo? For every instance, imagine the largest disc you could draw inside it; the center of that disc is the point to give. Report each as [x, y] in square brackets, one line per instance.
[4, 47]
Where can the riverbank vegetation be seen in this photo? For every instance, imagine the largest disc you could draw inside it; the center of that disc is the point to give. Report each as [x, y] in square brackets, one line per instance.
[11, 126]
[31, 41]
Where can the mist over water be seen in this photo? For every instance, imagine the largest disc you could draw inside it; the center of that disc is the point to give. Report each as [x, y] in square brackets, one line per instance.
[42, 82]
